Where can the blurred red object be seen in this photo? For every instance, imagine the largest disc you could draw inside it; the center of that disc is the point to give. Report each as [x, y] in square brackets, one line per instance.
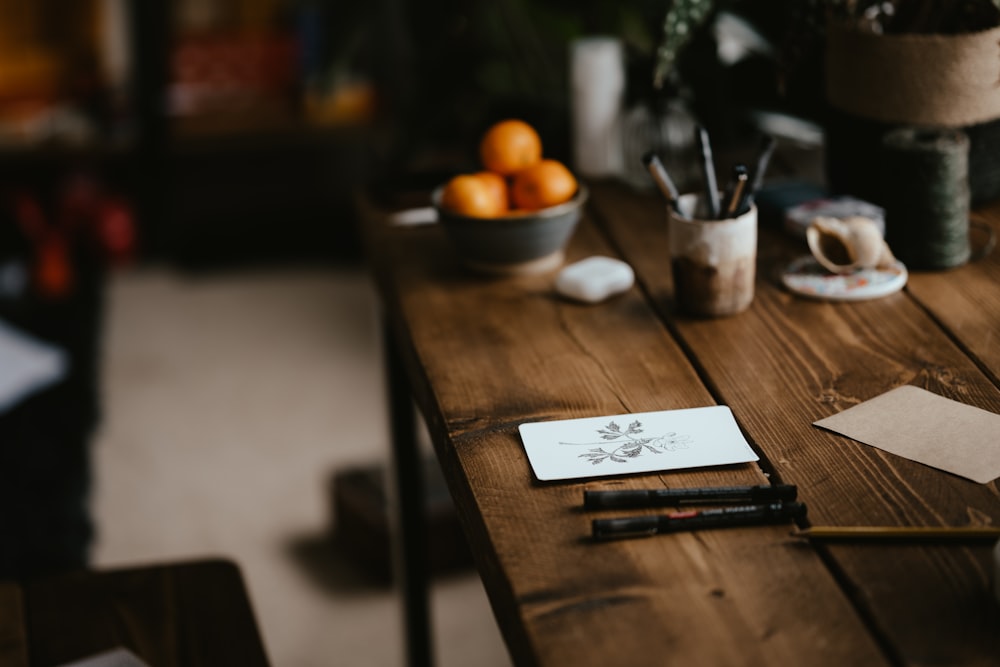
[52, 273]
[232, 72]
[115, 230]
[51, 267]
[83, 219]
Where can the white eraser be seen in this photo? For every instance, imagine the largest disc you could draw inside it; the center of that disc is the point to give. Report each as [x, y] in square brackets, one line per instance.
[595, 279]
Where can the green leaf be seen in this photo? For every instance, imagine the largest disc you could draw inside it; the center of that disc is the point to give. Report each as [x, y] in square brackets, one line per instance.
[681, 22]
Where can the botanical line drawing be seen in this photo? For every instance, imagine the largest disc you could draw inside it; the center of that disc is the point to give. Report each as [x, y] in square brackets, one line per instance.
[629, 444]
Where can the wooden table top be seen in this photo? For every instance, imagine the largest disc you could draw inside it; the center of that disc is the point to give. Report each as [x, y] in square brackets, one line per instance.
[484, 355]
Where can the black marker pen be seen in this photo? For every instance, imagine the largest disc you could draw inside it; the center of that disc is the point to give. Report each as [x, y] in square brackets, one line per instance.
[633, 498]
[725, 517]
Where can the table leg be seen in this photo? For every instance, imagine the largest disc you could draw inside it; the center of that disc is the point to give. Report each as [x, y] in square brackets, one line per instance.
[409, 521]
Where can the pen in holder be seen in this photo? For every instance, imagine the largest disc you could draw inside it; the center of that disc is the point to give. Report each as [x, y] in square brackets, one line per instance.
[713, 260]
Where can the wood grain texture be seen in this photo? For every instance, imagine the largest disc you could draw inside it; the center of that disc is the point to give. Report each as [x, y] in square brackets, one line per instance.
[966, 300]
[13, 631]
[193, 614]
[788, 362]
[485, 355]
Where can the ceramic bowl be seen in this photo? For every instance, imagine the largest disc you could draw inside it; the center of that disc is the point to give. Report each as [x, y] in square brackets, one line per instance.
[528, 242]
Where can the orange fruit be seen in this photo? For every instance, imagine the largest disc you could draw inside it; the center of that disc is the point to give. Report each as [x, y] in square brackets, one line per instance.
[468, 194]
[510, 146]
[544, 184]
[497, 185]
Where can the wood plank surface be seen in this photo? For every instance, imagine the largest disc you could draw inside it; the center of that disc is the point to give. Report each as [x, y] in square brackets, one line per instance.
[789, 361]
[193, 614]
[966, 300]
[13, 631]
[485, 355]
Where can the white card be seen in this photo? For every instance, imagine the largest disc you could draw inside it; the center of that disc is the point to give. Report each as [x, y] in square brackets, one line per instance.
[27, 365]
[634, 443]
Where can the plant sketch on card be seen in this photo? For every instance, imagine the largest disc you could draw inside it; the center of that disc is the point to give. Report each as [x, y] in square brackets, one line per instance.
[620, 446]
[634, 443]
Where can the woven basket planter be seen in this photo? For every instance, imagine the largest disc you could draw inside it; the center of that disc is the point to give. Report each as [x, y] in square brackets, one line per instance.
[877, 82]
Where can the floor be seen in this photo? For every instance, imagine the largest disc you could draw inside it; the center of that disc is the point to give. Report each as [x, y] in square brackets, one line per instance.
[229, 402]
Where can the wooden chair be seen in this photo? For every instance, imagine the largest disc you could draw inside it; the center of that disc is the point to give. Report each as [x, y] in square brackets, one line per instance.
[195, 614]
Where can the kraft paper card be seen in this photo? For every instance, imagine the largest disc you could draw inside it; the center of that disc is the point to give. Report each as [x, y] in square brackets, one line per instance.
[634, 443]
[927, 428]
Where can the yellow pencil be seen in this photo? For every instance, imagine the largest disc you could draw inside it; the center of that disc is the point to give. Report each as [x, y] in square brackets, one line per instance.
[911, 533]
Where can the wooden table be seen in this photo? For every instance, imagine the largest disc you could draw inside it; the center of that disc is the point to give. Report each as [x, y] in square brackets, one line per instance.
[190, 614]
[481, 356]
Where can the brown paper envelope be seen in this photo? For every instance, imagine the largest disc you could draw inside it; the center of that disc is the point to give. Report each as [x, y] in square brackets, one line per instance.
[927, 428]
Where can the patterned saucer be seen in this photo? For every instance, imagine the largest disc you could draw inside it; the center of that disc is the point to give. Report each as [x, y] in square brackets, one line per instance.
[807, 277]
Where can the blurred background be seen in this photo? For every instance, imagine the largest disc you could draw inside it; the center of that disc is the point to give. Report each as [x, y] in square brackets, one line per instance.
[214, 119]
[178, 227]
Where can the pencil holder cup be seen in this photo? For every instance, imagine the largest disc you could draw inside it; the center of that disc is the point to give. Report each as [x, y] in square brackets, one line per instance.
[713, 261]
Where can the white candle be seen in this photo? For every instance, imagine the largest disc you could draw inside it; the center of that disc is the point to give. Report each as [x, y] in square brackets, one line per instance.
[597, 87]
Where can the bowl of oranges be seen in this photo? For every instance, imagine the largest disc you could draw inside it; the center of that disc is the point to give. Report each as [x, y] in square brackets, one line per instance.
[518, 212]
